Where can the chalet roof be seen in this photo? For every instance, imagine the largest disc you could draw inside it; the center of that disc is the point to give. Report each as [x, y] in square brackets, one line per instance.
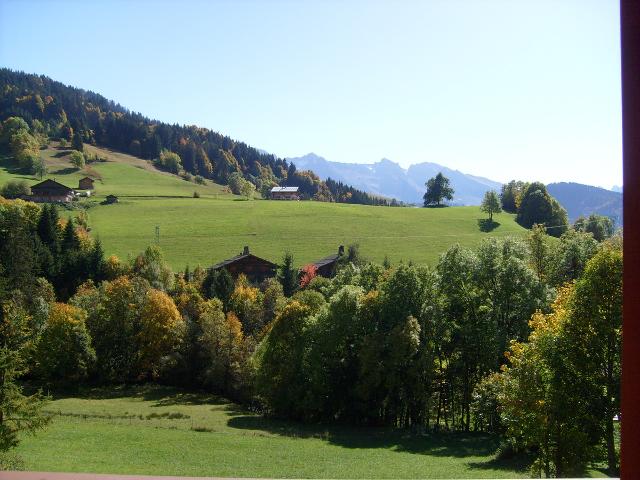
[330, 258]
[49, 185]
[86, 178]
[326, 260]
[242, 256]
[284, 190]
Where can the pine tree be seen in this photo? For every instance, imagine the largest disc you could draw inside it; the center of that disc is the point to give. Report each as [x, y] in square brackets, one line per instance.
[48, 228]
[76, 143]
[96, 261]
[223, 286]
[18, 412]
[187, 274]
[70, 240]
[287, 275]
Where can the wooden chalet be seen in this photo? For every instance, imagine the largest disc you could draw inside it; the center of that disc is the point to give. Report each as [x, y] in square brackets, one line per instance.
[326, 267]
[285, 193]
[51, 191]
[85, 183]
[256, 269]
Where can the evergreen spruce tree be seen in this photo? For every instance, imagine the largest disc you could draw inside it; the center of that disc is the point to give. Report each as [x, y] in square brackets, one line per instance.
[96, 261]
[223, 286]
[48, 228]
[70, 240]
[76, 143]
[187, 274]
[19, 413]
[218, 284]
[287, 275]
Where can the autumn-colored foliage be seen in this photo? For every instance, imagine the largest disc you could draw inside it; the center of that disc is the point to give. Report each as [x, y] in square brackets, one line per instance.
[161, 330]
[308, 273]
[64, 352]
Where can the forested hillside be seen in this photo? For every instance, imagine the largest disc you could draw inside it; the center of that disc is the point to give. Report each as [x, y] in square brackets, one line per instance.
[584, 200]
[61, 111]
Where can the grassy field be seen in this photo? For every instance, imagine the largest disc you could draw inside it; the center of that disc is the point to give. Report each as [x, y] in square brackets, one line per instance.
[216, 226]
[203, 231]
[120, 175]
[160, 431]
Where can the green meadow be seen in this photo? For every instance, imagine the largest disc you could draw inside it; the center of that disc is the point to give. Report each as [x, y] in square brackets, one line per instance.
[161, 431]
[121, 174]
[216, 226]
[205, 230]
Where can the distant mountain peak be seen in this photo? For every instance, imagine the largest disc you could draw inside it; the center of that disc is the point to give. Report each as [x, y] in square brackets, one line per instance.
[388, 178]
[386, 160]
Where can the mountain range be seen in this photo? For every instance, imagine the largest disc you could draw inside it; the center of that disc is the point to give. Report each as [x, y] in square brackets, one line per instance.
[579, 199]
[389, 179]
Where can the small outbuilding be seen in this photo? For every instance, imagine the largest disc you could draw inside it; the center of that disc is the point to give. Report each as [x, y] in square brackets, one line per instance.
[111, 199]
[256, 269]
[51, 191]
[85, 183]
[285, 193]
[326, 267]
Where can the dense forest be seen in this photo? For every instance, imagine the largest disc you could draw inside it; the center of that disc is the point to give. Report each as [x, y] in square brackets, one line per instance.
[520, 337]
[79, 116]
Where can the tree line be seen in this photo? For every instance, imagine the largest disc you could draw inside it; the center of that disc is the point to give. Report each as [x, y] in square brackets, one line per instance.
[404, 345]
[77, 116]
[531, 203]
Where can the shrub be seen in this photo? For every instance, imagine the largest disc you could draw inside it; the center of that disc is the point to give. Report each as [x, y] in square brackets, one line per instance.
[169, 161]
[196, 194]
[77, 159]
[15, 189]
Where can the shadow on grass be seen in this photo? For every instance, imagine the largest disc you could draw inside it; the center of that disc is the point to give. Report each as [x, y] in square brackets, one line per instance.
[487, 225]
[444, 444]
[451, 444]
[159, 394]
[61, 153]
[66, 171]
[166, 396]
[521, 463]
[18, 172]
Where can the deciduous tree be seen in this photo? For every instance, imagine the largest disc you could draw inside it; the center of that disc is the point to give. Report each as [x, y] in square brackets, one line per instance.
[490, 204]
[161, 331]
[438, 189]
[64, 352]
[77, 159]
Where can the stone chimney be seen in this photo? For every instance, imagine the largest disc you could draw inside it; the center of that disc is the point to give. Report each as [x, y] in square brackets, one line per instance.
[245, 251]
[341, 250]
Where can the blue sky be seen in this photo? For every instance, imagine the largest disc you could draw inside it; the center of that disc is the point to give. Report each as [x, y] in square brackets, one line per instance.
[504, 89]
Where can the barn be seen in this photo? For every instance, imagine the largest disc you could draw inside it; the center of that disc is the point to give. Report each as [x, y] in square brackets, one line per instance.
[51, 191]
[285, 193]
[85, 183]
[326, 267]
[256, 269]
